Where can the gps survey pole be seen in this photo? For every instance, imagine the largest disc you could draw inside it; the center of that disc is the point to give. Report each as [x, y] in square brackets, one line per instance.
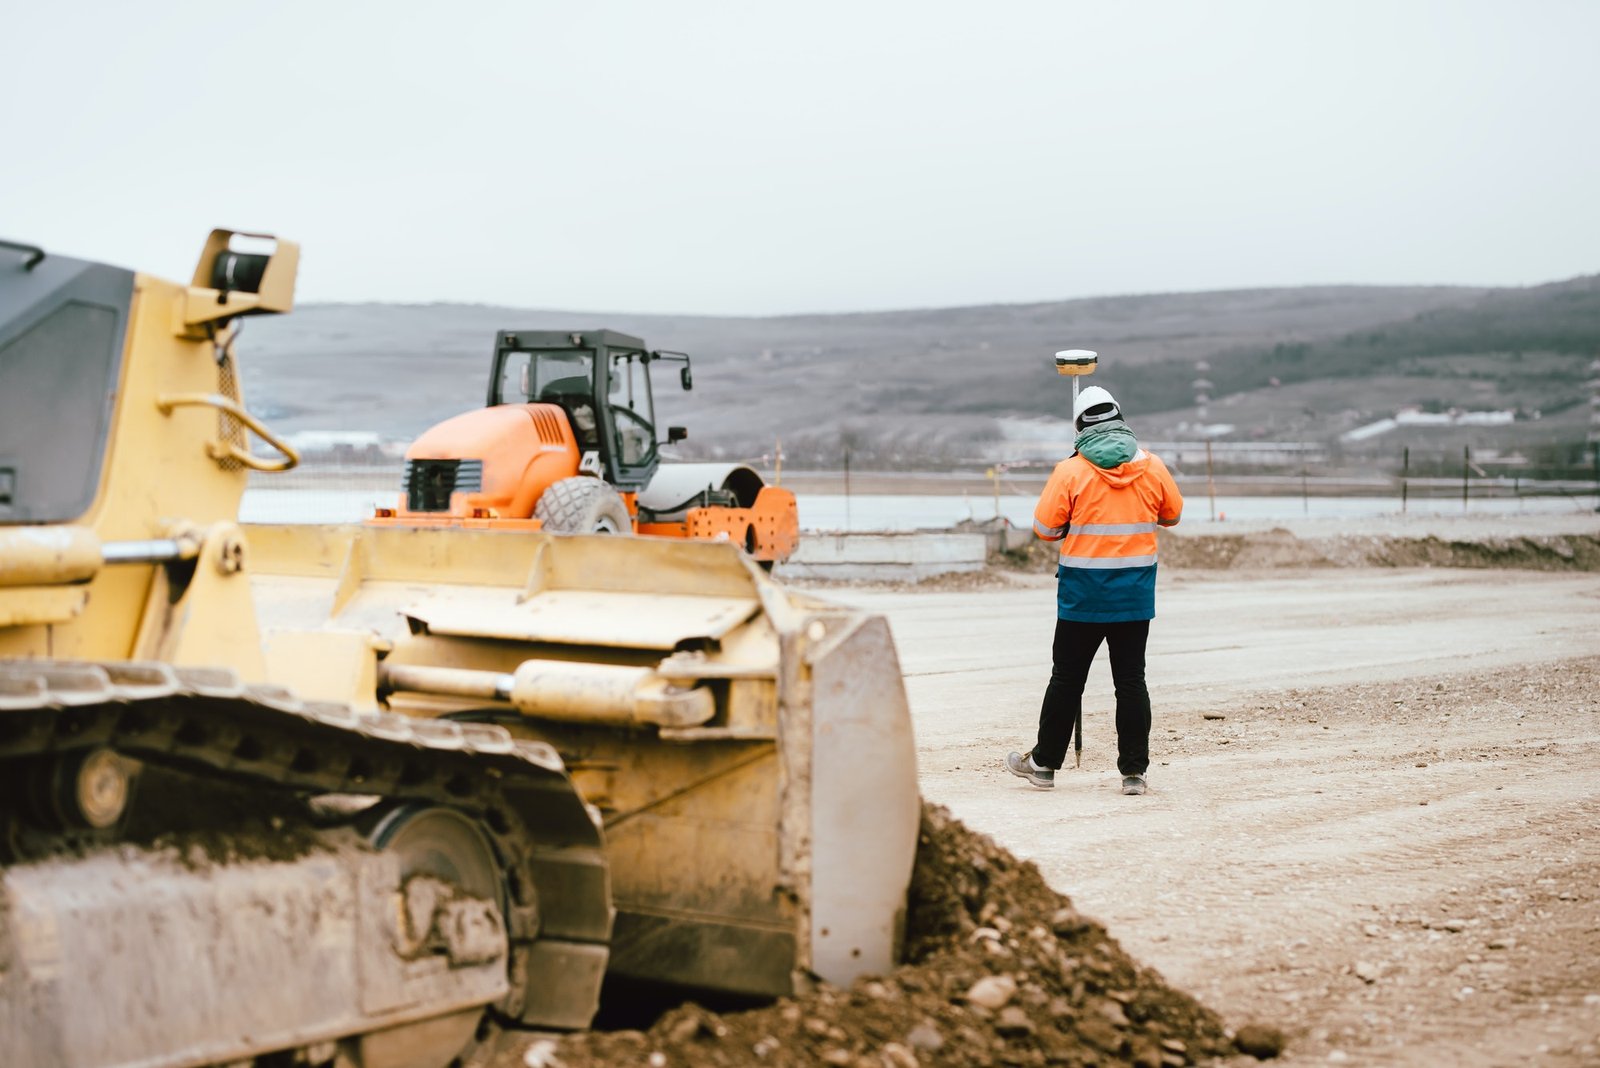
[1076, 362]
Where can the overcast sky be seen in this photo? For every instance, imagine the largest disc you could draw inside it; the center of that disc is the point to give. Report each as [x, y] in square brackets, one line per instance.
[755, 158]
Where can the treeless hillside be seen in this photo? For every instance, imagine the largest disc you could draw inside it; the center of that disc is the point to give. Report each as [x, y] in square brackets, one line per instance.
[396, 369]
[921, 386]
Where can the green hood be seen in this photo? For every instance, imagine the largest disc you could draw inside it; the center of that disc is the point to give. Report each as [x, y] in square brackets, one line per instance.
[1108, 445]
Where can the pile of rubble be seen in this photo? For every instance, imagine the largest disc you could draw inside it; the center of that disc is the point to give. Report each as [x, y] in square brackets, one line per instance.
[1211, 548]
[1000, 970]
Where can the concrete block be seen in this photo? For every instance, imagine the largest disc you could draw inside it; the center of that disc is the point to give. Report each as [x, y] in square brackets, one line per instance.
[886, 556]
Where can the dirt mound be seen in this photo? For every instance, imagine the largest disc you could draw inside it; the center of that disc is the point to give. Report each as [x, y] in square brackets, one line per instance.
[1265, 550]
[1001, 970]
[1560, 552]
[1255, 550]
[1280, 548]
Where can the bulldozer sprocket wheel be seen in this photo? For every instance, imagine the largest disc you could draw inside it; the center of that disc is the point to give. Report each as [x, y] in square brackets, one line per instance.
[583, 505]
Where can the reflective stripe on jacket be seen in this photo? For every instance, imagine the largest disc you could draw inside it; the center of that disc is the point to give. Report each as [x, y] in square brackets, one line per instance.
[1106, 520]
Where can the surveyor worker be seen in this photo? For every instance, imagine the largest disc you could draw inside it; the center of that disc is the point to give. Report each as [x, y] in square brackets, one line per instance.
[1103, 503]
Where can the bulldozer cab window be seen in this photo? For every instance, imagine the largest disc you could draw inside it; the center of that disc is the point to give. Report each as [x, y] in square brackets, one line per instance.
[632, 408]
[61, 345]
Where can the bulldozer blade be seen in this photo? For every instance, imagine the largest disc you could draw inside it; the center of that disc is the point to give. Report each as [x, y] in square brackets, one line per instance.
[738, 856]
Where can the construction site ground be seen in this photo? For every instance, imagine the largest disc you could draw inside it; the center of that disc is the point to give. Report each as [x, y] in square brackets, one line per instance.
[1374, 807]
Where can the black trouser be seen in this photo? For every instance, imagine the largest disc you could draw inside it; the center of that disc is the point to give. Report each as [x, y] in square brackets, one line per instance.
[1073, 651]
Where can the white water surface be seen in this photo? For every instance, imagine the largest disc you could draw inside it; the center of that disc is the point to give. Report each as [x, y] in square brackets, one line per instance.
[874, 512]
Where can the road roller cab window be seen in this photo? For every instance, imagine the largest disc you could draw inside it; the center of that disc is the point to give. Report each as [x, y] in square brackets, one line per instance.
[541, 375]
[632, 408]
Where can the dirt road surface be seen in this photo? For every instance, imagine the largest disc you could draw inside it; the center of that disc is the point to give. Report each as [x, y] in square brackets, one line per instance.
[1388, 844]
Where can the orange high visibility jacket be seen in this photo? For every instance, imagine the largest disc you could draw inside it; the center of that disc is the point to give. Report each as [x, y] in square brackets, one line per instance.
[1106, 520]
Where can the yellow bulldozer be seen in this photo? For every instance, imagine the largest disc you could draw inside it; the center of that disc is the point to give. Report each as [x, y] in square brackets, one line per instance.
[367, 796]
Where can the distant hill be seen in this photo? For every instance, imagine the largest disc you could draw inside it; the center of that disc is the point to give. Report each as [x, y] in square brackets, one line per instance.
[919, 385]
[1559, 318]
[1528, 350]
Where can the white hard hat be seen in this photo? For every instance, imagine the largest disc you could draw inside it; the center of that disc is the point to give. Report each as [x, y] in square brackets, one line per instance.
[1095, 405]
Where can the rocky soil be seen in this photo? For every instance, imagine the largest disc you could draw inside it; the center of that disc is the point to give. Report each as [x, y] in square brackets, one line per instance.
[1000, 970]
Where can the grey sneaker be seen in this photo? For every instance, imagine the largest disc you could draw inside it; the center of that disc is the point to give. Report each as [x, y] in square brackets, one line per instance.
[1133, 784]
[1022, 764]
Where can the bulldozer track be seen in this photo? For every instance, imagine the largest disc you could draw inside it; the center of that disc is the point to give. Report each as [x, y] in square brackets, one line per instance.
[202, 720]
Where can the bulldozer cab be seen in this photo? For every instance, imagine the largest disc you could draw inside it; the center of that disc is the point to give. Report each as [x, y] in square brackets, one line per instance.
[62, 323]
[601, 379]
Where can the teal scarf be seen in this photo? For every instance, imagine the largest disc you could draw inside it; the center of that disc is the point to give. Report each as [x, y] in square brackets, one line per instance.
[1108, 445]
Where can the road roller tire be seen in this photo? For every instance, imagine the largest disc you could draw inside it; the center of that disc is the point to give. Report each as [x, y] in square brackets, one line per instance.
[583, 505]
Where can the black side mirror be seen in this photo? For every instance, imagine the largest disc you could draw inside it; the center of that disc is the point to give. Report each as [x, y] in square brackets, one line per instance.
[686, 378]
[677, 433]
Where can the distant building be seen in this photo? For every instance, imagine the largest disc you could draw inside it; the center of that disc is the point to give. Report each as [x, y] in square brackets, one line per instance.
[1415, 417]
[1236, 454]
[1370, 430]
[346, 446]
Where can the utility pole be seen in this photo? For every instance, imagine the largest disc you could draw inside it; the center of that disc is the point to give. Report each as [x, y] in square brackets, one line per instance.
[1594, 448]
[847, 487]
[1211, 482]
[1594, 425]
[1405, 476]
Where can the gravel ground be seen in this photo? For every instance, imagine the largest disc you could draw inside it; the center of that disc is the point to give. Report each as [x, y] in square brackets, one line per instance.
[1373, 803]
[1373, 807]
